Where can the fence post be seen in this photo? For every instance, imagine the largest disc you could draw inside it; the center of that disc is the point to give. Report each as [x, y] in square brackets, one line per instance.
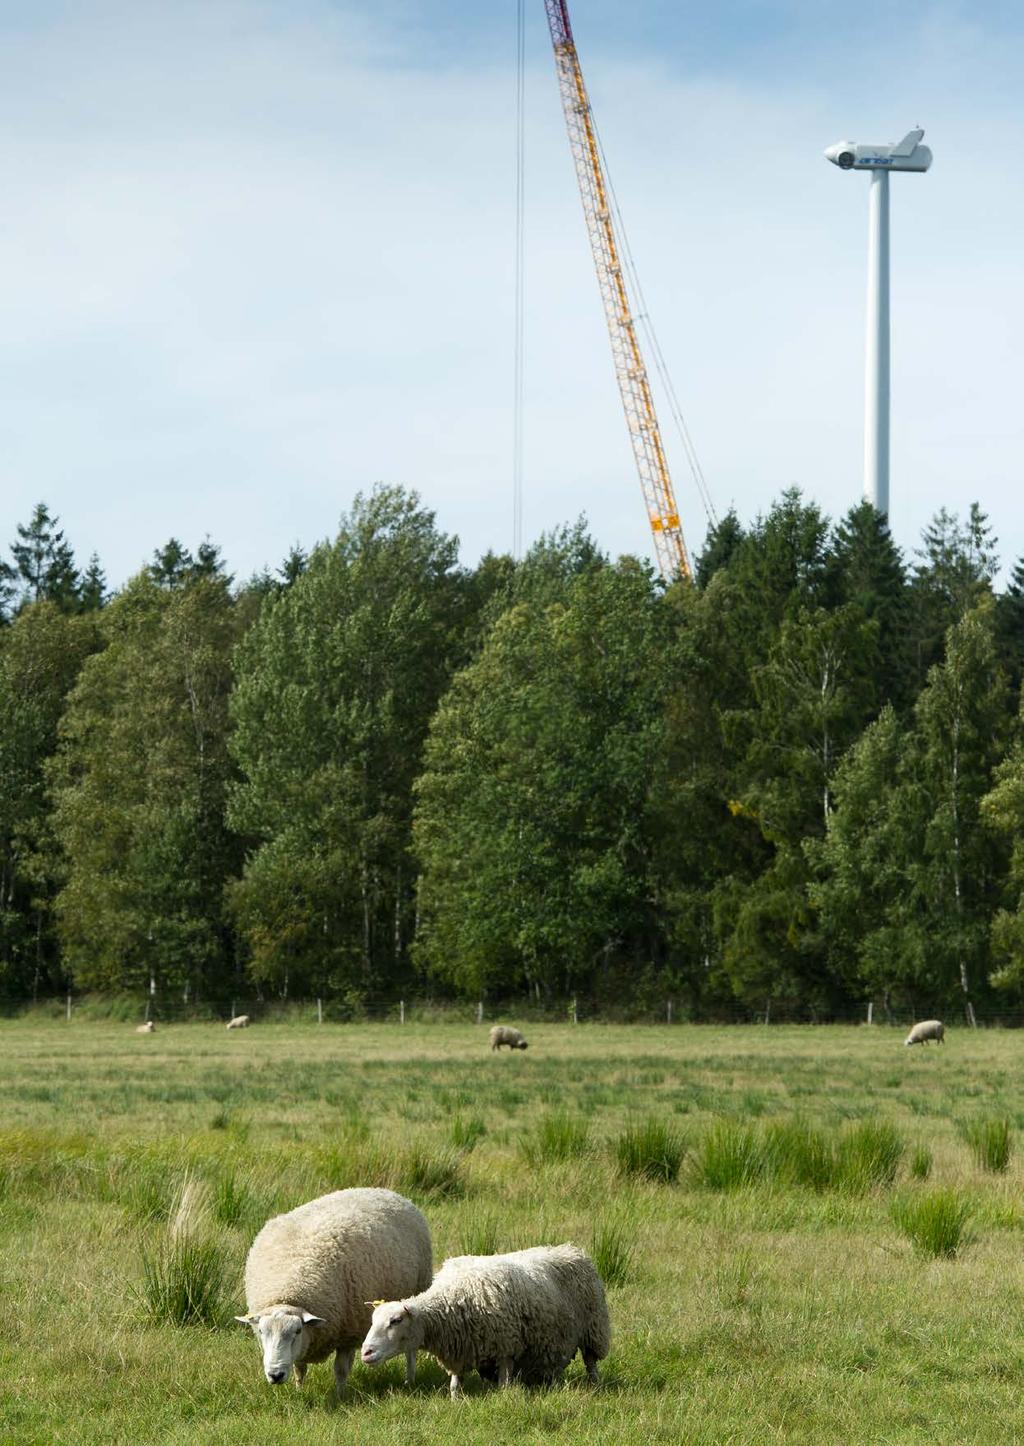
[480, 1012]
[871, 1009]
[69, 1006]
[970, 1015]
[401, 1011]
[768, 1011]
[668, 1012]
[575, 1017]
[319, 1011]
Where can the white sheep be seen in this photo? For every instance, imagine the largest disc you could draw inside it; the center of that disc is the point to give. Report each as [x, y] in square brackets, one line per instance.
[310, 1277]
[524, 1315]
[240, 1021]
[505, 1034]
[146, 1028]
[927, 1029]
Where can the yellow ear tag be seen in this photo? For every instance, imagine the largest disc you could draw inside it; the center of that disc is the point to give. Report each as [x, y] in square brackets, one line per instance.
[375, 1303]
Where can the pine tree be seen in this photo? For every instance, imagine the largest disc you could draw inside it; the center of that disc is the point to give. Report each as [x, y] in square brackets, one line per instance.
[93, 591]
[44, 563]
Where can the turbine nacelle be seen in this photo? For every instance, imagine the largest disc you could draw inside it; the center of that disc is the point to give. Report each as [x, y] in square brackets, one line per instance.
[906, 155]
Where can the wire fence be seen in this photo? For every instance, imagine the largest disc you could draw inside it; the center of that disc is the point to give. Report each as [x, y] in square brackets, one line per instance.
[573, 1010]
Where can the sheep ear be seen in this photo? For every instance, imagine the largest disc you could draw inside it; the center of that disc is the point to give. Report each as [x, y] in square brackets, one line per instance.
[249, 1320]
[374, 1303]
[308, 1319]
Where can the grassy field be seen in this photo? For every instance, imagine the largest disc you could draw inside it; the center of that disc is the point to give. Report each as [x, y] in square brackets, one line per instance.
[766, 1293]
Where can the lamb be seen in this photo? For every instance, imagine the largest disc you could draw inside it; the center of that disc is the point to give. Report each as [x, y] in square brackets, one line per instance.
[927, 1029]
[146, 1028]
[311, 1276]
[505, 1034]
[240, 1021]
[524, 1315]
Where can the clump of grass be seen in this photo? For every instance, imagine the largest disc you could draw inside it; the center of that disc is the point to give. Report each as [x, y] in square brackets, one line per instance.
[612, 1248]
[921, 1162]
[799, 1155]
[935, 1222]
[481, 1233]
[868, 1156]
[990, 1142]
[467, 1133]
[558, 1136]
[185, 1275]
[650, 1150]
[430, 1174]
[729, 1156]
[234, 1202]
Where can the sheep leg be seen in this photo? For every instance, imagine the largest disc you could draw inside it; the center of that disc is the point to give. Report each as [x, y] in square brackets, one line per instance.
[590, 1361]
[410, 1367]
[504, 1373]
[300, 1374]
[342, 1366]
[455, 1387]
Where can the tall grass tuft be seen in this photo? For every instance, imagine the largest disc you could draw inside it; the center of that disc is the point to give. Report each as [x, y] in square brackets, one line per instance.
[185, 1275]
[482, 1233]
[935, 1222]
[558, 1136]
[431, 1174]
[650, 1150]
[867, 1156]
[729, 1156]
[466, 1133]
[799, 1155]
[990, 1142]
[921, 1162]
[612, 1248]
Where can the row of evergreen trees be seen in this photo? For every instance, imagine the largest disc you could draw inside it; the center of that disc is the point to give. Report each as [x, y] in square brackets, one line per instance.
[799, 780]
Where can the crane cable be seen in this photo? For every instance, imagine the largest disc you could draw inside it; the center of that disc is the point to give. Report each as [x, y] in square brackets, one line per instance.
[632, 278]
[519, 284]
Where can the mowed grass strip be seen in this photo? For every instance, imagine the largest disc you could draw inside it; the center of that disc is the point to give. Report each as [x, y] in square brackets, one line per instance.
[783, 1302]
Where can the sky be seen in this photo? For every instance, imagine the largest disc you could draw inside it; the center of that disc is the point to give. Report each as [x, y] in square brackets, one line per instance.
[257, 256]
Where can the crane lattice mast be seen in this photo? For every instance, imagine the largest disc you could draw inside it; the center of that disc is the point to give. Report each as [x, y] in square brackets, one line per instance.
[630, 371]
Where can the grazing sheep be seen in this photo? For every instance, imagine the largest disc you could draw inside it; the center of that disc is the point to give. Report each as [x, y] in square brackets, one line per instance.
[927, 1029]
[240, 1021]
[146, 1028]
[311, 1275]
[524, 1315]
[505, 1034]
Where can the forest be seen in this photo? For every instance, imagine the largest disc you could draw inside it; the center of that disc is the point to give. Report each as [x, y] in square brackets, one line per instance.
[796, 783]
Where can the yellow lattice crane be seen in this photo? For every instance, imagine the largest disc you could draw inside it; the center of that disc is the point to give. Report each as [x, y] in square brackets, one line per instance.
[630, 371]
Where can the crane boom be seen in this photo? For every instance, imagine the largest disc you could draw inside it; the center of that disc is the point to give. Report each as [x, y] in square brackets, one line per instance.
[630, 371]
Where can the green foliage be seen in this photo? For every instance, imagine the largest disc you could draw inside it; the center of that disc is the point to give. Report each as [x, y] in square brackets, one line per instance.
[139, 785]
[935, 1222]
[990, 1142]
[650, 1149]
[335, 684]
[794, 784]
[531, 809]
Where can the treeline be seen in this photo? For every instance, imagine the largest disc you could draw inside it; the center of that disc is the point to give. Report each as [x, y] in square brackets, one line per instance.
[799, 780]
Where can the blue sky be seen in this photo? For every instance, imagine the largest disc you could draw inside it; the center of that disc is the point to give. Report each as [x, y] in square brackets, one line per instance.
[257, 255]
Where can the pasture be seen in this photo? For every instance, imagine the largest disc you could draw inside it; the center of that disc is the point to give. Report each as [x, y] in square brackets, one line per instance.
[764, 1286]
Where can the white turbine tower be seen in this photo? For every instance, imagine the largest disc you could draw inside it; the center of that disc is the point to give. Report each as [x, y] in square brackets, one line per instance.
[908, 155]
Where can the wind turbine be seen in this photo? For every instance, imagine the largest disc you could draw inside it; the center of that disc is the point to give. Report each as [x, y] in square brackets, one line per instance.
[907, 155]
